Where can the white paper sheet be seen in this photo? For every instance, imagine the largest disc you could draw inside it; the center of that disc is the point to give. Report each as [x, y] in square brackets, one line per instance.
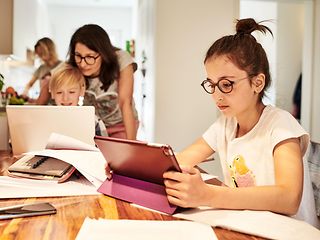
[260, 223]
[23, 188]
[86, 159]
[59, 141]
[143, 230]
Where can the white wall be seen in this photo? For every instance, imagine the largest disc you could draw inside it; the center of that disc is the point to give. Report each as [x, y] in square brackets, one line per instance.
[261, 11]
[290, 37]
[30, 23]
[297, 43]
[183, 32]
[34, 19]
[145, 42]
[284, 50]
[115, 20]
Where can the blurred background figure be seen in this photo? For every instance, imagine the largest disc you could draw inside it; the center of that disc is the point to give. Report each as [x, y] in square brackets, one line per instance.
[45, 49]
[296, 109]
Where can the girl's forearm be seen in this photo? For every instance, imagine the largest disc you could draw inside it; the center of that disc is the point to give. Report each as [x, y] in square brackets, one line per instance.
[270, 198]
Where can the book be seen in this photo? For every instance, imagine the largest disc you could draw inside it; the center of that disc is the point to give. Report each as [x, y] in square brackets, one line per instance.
[41, 167]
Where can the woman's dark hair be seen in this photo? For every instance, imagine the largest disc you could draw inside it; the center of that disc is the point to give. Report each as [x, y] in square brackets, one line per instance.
[96, 38]
[244, 50]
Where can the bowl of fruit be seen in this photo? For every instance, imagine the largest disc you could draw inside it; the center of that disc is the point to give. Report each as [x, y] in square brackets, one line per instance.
[9, 96]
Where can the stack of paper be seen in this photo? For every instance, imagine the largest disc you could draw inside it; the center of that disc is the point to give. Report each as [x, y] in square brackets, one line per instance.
[86, 159]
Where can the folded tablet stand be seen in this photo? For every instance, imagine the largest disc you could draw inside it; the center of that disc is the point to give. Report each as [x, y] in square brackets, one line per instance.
[137, 191]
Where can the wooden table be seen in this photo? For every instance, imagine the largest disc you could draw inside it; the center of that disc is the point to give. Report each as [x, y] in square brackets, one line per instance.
[71, 212]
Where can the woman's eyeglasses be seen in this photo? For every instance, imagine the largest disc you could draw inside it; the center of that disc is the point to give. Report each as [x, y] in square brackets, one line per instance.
[224, 85]
[90, 60]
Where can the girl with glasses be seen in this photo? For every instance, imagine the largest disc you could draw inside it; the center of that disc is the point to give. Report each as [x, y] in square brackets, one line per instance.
[109, 79]
[260, 147]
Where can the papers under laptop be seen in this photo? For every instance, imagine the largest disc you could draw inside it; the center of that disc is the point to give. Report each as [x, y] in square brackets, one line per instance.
[66, 149]
[31, 126]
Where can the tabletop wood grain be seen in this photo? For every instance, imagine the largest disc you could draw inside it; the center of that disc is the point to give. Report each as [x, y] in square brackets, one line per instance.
[71, 212]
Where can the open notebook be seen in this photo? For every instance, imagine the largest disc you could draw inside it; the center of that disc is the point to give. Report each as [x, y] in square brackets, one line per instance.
[31, 126]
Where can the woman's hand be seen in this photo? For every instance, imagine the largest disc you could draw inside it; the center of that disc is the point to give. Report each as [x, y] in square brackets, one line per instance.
[186, 189]
[108, 171]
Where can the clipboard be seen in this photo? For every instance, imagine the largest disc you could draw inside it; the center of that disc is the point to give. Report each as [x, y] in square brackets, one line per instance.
[42, 168]
[138, 168]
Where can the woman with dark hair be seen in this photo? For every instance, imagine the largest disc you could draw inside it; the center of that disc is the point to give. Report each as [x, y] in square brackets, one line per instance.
[260, 147]
[109, 79]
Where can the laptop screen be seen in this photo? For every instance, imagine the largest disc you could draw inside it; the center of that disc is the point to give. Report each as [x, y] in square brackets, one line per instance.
[31, 126]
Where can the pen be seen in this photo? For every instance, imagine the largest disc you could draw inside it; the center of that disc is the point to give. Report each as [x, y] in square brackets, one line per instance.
[234, 181]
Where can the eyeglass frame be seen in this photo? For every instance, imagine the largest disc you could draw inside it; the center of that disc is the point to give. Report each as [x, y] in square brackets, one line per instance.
[217, 84]
[84, 58]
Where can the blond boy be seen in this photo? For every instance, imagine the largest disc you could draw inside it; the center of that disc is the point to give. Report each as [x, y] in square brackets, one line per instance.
[67, 87]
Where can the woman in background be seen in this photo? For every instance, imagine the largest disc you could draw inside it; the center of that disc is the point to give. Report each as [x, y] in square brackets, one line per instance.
[45, 49]
[109, 79]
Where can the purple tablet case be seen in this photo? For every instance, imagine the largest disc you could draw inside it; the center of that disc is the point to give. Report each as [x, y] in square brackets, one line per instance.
[137, 172]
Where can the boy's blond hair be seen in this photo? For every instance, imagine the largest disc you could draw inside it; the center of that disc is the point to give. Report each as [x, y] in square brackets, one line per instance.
[66, 74]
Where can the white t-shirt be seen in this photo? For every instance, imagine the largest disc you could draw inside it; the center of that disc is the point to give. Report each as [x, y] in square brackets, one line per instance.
[248, 160]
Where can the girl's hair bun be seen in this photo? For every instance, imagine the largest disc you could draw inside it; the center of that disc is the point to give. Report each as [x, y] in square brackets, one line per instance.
[249, 25]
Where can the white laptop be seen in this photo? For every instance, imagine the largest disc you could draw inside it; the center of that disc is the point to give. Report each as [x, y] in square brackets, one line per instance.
[30, 126]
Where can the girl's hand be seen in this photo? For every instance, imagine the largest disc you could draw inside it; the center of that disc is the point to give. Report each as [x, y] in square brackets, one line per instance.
[108, 171]
[186, 189]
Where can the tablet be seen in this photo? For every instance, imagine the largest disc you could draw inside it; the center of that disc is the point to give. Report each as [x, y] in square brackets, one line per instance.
[136, 159]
